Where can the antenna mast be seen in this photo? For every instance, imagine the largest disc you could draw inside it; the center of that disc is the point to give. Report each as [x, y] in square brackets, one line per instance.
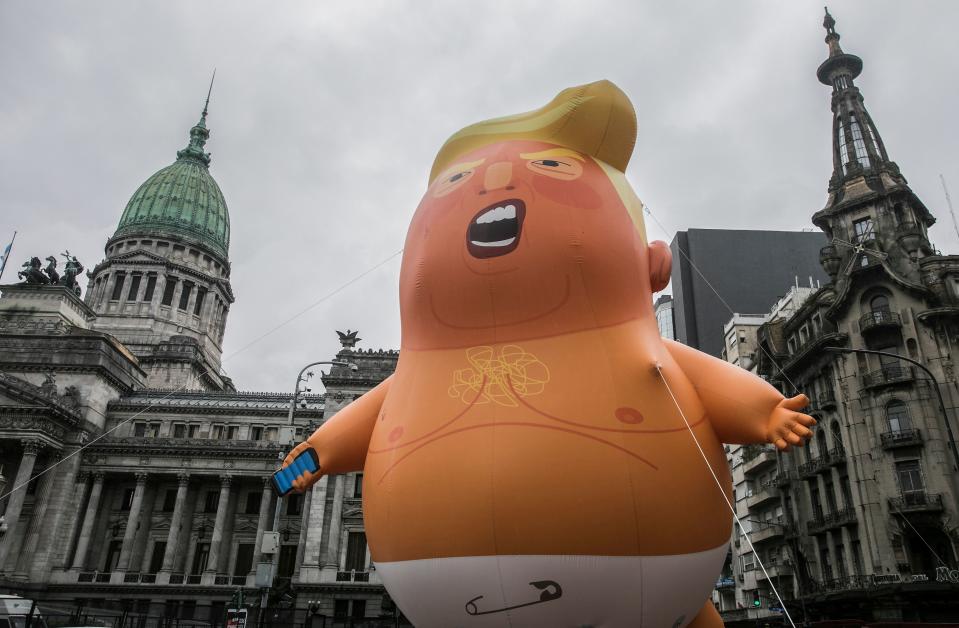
[952, 212]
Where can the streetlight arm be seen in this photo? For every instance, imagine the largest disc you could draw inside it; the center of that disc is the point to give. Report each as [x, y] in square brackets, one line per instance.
[942, 403]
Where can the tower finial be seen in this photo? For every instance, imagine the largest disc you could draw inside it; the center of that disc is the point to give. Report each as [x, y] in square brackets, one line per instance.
[829, 23]
[210, 91]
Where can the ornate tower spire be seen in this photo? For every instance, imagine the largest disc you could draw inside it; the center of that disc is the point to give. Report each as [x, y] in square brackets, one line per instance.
[858, 148]
[199, 134]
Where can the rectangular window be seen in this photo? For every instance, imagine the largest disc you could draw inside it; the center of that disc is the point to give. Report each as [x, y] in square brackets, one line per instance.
[153, 430]
[156, 559]
[231, 432]
[358, 485]
[179, 430]
[113, 556]
[910, 477]
[863, 229]
[244, 559]
[200, 557]
[211, 501]
[134, 287]
[118, 286]
[294, 504]
[185, 295]
[191, 432]
[359, 609]
[200, 295]
[216, 432]
[858, 143]
[127, 500]
[168, 290]
[341, 608]
[139, 428]
[749, 561]
[151, 287]
[356, 552]
[253, 499]
[256, 432]
[169, 500]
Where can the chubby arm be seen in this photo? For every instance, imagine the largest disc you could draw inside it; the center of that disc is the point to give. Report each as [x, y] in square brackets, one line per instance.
[741, 407]
[341, 443]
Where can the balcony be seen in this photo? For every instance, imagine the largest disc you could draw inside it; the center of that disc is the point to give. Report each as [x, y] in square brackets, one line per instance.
[916, 501]
[837, 519]
[757, 457]
[768, 531]
[826, 400]
[887, 376]
[835, 457]
[353, 576]
[831, 458]
[783, 478]
[767, 492]
[810, 349]
[878, 319]
[900, 438]
[775, 571]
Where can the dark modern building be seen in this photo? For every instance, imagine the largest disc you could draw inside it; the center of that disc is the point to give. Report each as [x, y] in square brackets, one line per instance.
[750, 269]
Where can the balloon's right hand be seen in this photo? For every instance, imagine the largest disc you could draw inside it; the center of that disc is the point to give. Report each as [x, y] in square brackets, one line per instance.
[299, 471]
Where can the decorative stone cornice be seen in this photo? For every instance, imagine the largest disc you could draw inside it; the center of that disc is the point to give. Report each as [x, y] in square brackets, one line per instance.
[53, 405]
[186, 447]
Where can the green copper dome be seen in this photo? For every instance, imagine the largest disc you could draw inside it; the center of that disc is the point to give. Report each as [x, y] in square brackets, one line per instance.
[182, 200]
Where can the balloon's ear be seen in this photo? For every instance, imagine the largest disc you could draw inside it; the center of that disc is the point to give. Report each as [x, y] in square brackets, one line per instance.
[660, 265]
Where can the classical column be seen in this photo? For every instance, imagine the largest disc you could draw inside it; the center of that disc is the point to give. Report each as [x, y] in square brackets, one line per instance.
[18, 491]
[310, 568]
[45, 487]
[332, 558]
[217, 538]
[263, 520]
[304, 527]
[89, 517]
[176, 522]
[133, 521]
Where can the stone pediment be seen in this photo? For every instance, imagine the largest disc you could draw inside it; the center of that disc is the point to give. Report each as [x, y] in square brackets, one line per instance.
[20, 396]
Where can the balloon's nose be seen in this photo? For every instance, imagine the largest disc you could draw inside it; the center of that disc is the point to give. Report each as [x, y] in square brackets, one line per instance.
[498, 175]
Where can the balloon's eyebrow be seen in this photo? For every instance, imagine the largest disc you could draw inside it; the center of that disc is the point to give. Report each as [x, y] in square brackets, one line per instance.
[553, 152]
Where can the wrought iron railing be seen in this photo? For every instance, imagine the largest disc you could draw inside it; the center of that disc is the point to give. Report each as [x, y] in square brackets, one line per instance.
[900, 438]
[879, 318]
[916, 501]
[892, 374]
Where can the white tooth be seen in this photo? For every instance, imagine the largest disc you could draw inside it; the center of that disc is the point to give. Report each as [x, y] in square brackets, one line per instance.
[510, 211]
[485, 218]
[492, 244]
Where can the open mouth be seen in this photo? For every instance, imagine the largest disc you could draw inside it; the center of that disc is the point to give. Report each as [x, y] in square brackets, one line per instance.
[495, 230]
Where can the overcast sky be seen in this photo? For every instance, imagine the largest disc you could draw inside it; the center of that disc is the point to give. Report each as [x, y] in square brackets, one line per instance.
[325, 119]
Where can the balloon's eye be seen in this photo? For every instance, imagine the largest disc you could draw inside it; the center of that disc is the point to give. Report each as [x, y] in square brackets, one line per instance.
[563, 170]
[452, 182]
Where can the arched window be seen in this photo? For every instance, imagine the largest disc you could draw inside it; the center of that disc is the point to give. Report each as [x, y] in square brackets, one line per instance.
[879, 305]
[841, 137]
[857, 141]
[836, 435]
[897, 416]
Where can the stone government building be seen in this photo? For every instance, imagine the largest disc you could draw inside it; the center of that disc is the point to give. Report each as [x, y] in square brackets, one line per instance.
[163, 512]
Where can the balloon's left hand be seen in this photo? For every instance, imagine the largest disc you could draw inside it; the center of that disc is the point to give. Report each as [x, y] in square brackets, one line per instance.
[787, 426]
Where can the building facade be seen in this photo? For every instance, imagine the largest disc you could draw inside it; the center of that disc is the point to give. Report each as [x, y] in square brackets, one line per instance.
[749, 269]
[151, 472]
[863, 522]
[663, 308]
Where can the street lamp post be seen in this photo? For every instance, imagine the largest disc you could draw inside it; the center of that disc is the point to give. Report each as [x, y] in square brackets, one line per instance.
[287, 435]
[935, 382]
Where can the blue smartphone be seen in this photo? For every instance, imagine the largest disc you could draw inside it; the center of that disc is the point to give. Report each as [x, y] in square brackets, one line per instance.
[306, 462]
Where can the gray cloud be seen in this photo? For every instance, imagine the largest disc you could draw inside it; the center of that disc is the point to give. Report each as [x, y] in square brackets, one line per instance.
[326, 116]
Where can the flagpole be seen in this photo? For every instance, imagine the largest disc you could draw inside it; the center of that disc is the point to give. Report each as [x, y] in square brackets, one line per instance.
[6, 254]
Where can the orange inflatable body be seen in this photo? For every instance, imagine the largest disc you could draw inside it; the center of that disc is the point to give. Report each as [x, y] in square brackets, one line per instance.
[534, 460]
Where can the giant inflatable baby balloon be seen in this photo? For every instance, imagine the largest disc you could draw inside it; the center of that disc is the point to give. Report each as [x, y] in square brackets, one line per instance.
[535, 459]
